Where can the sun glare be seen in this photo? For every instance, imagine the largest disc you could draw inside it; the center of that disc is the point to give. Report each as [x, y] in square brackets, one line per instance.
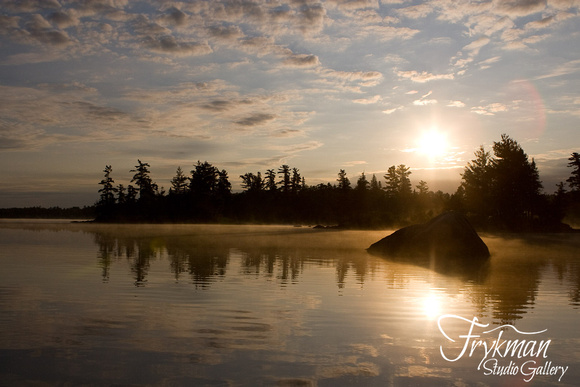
[431, 306]
[433, 143]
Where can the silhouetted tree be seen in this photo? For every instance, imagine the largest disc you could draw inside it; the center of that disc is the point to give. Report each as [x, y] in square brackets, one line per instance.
[403, 172]
[122, 195]
[147, 188]
[504, 188]
[224, 187]
[251, 182]
[422, 188]
[574, 179]
[203, 179]
[271, 180]
[375, 185]
[179, 183]
[477, 183]
[362, 184]
[296, 181]
[398, 183]
[285, 180]
[516, 182]
[392, 184]
[132, 193]
[343, 181]
[108, 191]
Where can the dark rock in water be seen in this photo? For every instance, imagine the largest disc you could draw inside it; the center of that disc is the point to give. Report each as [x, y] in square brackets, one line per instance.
[449, 235]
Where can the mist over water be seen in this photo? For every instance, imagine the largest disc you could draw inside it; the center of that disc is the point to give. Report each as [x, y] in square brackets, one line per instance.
[265, 305]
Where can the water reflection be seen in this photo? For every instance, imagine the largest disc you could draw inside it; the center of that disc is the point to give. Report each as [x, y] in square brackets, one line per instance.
[504, 288]
[202, 305]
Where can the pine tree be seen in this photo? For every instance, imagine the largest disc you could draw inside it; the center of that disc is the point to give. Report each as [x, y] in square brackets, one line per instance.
[285, 180]
[574, 180]
[343, 181]
[375, 185]
[295, 182]
[477, 182]
[108, 191]
[516, 182]
[392, 181]
[203, 179]
[147, 188]
[403, 173]
[362, 183]
[179, 184]
[271, 180]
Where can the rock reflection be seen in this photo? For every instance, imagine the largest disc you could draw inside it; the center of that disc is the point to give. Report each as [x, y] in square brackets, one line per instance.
[503, 288]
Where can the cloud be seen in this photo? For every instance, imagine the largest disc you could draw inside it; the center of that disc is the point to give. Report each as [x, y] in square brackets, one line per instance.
[386, 33]
[174, 16]
[476, 45]
[346, 5]
[39, 29]
[539, 24]
[423, 101]
[302, 147]
[570, 67]
[458, 104]
[363, 78]
[301, 60]
[392, 110]
[311, 18]
[226, 32]
[256, 119]
[490, 110]
[519, 8]
[368, 101]
[422, 77]
[485, 64]
[169, 45]
[63, 19]
[415, 11]
[29, 5]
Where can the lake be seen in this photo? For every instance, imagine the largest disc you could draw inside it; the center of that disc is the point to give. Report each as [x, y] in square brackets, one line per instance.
[208, 305]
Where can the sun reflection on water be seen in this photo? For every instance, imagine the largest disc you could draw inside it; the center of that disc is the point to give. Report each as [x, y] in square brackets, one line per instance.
[432, 306]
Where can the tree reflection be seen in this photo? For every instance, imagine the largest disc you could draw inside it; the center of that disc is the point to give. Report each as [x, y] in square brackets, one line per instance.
[503, 288]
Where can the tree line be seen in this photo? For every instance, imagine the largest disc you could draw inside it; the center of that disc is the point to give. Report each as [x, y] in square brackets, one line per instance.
[499, 191]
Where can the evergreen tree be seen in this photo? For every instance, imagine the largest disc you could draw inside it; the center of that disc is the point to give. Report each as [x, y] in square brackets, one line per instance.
[271, 180]
[224, 187]
[375, 185]
[179, 183]
[203, 179]
[422, 188]
[121, 196]
[574, 179]
[403, 173]
[516, 182]
[108, 191]
[251, 182]
[343, 181]
[147, 188]
[362, 183]
[477, 183]
[398, 182]
[285, 181]
[295, 182]
[132, 193]
[392, 181]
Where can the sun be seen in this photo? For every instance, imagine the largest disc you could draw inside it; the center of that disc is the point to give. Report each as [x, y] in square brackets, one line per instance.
[433, 143]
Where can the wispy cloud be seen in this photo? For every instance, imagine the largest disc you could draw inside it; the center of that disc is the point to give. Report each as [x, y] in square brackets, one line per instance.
[424, 76]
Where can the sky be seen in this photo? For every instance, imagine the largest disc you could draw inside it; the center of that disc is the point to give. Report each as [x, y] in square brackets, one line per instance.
[249, 85]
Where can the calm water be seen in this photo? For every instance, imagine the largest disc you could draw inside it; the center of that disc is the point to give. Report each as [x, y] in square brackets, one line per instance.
[84, 304]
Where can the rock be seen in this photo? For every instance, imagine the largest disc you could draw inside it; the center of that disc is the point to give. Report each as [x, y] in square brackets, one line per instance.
[449, 235]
